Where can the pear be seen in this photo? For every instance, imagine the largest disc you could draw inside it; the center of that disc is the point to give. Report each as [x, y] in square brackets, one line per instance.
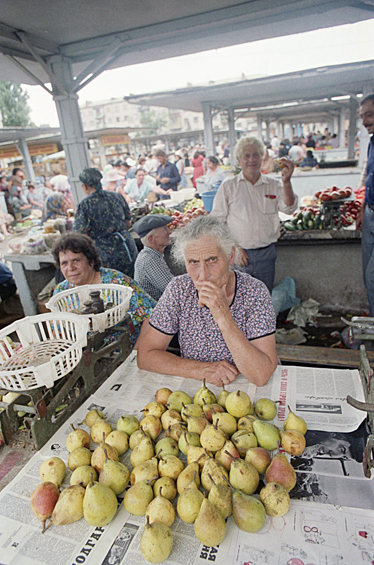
[196, 424]
[99, 504]
[267, 435]
[212, 438]
[99, 428]
[160, 509]
[189, 473]
[43, 500]
[53, 470]
[221, 399]
[69, 507]
[128, 424]
[145, 471]
[170, 466]
[265, 409]
[142, 452]
[294, 422]
[79, 457]
[221, 497]
[81, 475]
[169, 418]
[209, 526]
[239, 404]
[152, 426]
[191, 410]
[213, 469]
[259, 457]
[243, 440]
[156, 542]
[197, 454]
[169, 490]
[138, 497]
[162, 395]
[92, 416]
[226, 458]
[114, 475]
[243, 476]
[177, 399]
[119, 440]
[225, 422]
[136, 438]
[154, 409]
[292, 442]
[77, 438]
[101, 453]
[176, 430]
[276, 499]
[246, 423]
[210, 409]
[189, 503]
[188, 438]
[204, 394]
[281, 471]
[166, 446]
[248, 512]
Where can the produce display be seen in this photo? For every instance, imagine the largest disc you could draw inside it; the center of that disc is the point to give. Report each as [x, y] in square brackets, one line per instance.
[208, 451]
[182, 218]
[193, 204]
[333, 193]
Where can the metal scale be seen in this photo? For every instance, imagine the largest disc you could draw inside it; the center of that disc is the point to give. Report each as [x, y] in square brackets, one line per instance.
[98, 362]
[330, 210]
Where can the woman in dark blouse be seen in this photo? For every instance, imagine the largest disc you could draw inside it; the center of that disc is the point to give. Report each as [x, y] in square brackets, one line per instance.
[105, 217]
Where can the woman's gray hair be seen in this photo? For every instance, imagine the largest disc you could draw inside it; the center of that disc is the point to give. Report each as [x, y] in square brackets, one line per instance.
[246, 142]
[198, 228]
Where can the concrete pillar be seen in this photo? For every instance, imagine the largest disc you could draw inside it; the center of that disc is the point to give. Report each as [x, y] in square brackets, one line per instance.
[30, 174]
[259, 126]
[72, 135]
[342, 128]
[352, 127]
[208, 128]
[102, 154]
[232, 134]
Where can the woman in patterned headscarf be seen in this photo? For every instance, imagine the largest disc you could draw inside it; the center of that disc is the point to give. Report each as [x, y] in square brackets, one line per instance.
[105, 217]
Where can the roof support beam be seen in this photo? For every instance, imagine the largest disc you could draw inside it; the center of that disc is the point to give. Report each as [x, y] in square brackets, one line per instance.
[29, 73]
[96, 67]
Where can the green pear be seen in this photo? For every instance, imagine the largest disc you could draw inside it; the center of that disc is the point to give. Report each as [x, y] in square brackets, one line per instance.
[248, 512]
[79, 457]
[239, 404]
[267, 435]
[138, 497]
[276, 499]
[100, 427]
[170, 466]
[81, 475]
[243, 476]
[53, 470]
[169, 418]
[246, 423]
[189, 473]
[152, 426]
[43, 501]
[221, 497]
[196, 424]
[225, 422]
[189, 503]
[221, 399]
[114, 475]
[154, 409]
[281, 471]
[213, 470]
[77, 438]
[99, 504]
[166, 446]
[198, 454]
[213, 438]
[243, 440]
[92, 416]
[211, 409]
[292, 442]
[204, 394]
[128, 424]
[294, 422]
[145, 471]
[265, 409]
[162, 395]
[169, 490]
[119, 440]
[176, 430]
[156, 542]
[209, 526]
[69, 507]
[136, 438]
[142, 452]
[177, 399]
[188, 438]
[226, 455]
[160, 509]
[191, 410]
[103, 452]
[259, 457]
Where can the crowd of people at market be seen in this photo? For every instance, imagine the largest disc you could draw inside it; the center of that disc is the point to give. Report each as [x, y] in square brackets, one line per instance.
[219, 311]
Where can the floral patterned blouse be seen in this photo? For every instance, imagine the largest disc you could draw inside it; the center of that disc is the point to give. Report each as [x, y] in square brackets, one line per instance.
[141, 304]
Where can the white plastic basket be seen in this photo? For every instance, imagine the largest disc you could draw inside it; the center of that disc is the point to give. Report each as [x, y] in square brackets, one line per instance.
[182, 194]
[72, 300]
[50, 346]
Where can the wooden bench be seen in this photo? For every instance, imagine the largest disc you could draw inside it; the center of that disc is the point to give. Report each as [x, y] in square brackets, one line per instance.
[307, 355]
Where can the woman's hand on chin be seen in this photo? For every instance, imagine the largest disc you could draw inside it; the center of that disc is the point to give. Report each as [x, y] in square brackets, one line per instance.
[217, 373]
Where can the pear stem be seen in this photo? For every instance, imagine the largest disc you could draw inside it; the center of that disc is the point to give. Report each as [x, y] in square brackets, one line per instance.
[228, 482]
[228, 453]
[72, 425]
[210, 476]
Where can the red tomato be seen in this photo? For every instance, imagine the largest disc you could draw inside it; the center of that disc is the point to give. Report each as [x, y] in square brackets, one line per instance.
[325, 196]
[335, 195]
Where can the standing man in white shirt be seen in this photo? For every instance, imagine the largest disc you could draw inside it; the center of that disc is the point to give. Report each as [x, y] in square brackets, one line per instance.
[249, 204]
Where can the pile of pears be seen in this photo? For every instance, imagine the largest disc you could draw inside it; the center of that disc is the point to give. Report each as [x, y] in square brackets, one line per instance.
[226, 442]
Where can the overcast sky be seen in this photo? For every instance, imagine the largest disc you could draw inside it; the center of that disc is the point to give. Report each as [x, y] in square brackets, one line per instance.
[331, 46]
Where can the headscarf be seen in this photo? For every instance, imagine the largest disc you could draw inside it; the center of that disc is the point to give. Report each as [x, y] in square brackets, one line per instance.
[92, 177]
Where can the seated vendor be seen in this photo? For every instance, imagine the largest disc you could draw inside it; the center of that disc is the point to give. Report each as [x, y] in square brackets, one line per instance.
[137, 189]
[224, 318]
[78, 258]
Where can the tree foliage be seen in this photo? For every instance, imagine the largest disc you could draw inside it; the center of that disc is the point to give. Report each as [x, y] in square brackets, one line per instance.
[155, 122]
[14, 108]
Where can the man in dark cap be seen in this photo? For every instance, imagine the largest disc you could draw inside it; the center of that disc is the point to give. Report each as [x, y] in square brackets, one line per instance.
[151, 270]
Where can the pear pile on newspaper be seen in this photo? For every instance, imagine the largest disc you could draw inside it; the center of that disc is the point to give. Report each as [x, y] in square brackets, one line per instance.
[206, 454]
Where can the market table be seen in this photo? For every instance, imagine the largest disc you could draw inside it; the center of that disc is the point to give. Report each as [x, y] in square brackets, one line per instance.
[330, 520]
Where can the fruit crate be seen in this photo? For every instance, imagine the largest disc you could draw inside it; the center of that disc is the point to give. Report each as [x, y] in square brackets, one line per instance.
[38, 350]
[72, 300]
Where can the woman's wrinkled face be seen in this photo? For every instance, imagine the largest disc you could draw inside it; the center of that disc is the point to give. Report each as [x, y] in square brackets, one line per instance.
[207, 261]
[75, 267]
[140, 175]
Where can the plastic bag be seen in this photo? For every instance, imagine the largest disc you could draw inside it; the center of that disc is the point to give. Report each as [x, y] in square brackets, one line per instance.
[284, 295]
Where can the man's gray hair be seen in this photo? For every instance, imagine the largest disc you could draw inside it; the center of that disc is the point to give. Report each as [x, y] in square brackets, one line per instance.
[247, 142]
[198, 228]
